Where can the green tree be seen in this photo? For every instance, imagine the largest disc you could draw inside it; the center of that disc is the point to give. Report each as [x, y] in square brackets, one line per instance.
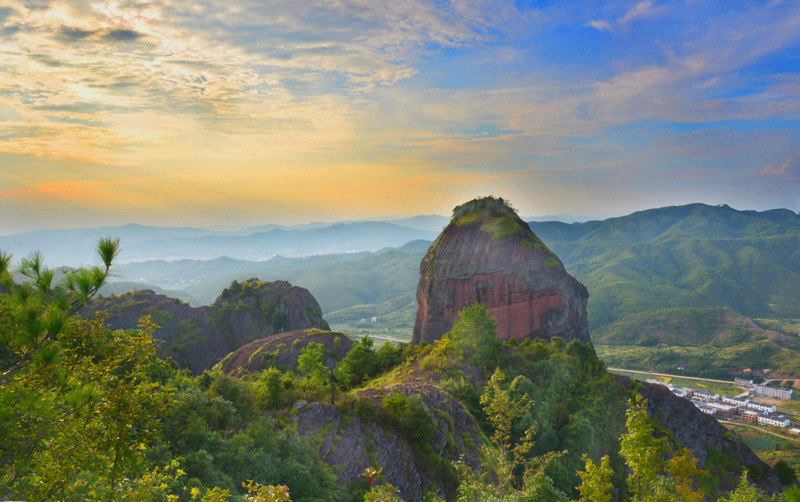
[261, 493]
[498, 481]
[272, 379]
[379, 492]
[77, 407]
[746, 492]
[474, 338]
[786, 473]
[36, 311]
[389, 356]
[358, 365]
[596, 483]
[656, 472]
[410, 416]
[310, 363]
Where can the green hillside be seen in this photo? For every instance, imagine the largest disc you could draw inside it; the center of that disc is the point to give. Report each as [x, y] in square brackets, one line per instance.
[683, 256]
[691, 327]
[711, 341]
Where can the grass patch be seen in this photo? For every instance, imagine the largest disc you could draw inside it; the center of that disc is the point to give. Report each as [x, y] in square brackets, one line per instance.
[768, 448]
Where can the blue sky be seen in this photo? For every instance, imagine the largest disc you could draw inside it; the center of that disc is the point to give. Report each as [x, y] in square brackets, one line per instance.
[214, 112]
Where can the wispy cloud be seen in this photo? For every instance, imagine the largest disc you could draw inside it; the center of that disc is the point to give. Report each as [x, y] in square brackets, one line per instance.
[469, 87]
[600, 25]
[641, 10]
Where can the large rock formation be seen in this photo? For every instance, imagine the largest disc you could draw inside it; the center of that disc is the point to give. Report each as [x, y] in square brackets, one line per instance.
[197, 338]
[488, 255]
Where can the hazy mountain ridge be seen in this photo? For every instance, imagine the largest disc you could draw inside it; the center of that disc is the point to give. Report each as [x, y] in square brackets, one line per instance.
[142, 243]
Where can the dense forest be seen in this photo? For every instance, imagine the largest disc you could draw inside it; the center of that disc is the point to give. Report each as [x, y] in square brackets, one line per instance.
[87, 413]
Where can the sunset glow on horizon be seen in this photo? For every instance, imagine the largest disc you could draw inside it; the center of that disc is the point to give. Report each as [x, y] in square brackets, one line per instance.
[244, 112]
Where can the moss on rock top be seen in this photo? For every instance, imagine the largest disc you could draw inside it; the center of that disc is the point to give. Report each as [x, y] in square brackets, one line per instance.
[496, 216]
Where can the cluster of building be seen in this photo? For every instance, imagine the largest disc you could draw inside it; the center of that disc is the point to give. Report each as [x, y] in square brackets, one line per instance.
[764, 390]
[730, 408]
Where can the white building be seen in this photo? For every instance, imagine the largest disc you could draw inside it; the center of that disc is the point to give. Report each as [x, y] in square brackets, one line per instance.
[795, 431]
[706, 395]
[743, 382]
[706, 410]
[761, 407]
[679, 392]
[773, 421]
[765, 390]
[734, 401]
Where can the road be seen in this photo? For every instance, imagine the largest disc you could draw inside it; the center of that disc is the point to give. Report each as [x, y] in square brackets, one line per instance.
[759, 429]
[677, 376]
[380, 337]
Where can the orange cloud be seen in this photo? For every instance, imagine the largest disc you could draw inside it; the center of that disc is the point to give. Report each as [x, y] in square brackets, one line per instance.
[790, 168]
[86, 193]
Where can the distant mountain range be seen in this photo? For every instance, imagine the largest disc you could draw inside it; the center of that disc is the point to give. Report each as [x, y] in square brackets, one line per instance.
[72, 247]
[142, 243]
[672, 257]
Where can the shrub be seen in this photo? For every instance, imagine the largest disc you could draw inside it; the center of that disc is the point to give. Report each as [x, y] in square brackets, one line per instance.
[410, 416]
[359, 364]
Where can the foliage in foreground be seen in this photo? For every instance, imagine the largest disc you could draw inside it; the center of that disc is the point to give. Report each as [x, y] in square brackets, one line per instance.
[91, 414]
[77, 409]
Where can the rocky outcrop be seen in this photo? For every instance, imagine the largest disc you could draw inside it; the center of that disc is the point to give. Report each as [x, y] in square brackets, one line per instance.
[283, 349]
[351, 444]
[488, 255]
[197, 338]
[700, 433]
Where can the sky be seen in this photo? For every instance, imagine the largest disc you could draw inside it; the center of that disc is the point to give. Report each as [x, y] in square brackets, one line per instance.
[215, 112]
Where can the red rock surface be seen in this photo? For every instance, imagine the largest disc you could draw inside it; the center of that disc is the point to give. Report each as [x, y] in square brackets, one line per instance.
[524, 284]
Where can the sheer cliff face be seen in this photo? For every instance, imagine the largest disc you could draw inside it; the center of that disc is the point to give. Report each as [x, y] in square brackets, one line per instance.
[516, 276]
